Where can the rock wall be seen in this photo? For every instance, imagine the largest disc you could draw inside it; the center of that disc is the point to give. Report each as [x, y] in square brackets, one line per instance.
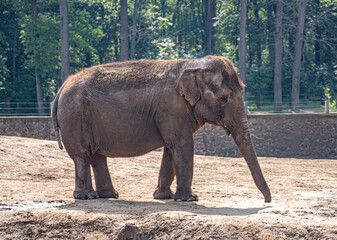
[275, 135]
[33, 127]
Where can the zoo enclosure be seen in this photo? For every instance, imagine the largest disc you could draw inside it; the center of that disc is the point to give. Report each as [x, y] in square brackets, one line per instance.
[274, 135]
[256, 103]
[24, 107]
[263, 102]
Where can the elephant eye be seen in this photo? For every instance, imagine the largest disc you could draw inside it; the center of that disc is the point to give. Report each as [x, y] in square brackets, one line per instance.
[223, 99]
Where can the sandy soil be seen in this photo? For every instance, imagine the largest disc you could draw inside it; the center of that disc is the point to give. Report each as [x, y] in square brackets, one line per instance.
[37, 180]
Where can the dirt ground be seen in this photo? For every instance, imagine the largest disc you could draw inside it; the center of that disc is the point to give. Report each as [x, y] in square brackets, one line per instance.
[37, 181]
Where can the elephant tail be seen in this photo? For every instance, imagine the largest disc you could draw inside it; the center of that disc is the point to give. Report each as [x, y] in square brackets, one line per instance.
[54, 117]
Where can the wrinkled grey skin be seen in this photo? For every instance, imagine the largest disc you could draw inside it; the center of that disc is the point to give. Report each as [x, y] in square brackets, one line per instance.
[131, 108]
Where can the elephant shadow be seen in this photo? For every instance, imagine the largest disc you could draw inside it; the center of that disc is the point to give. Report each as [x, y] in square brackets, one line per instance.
[114, 206]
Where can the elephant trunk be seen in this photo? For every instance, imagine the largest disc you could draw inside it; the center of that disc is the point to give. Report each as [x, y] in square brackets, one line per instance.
[241, 136]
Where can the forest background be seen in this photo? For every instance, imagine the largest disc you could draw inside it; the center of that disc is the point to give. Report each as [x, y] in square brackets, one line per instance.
[282, 48]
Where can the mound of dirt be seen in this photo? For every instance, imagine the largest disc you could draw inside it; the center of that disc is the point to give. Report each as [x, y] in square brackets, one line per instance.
[37, 181]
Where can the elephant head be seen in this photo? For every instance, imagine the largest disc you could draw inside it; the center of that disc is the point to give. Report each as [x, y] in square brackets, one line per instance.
[213, 89]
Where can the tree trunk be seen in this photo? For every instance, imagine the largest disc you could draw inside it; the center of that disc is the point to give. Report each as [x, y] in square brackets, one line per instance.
[163, 10]
[163, 7]
[209, 14]
[270, 30]
[199, 10]
[317, 49]
[212, 16]
[318, 37]
[317, 52]
[251, 53]
[176, 12]
[258, 99]
[258, 40]
[101, 51]
[14, 58]
[124, 31]
[116, 47]
[64, 33]
[295, 90]
[39, 96]
[278, 58]
[243, 48]
[291, 41]
[206, 6]
[134, 30]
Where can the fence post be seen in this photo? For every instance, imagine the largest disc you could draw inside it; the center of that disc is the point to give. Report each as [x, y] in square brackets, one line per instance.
[245, 105]
[326, 103]
[8, 106]
[51, 104]
[258, 99]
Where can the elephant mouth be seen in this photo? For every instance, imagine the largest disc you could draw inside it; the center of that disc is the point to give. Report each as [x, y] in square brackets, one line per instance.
[228, 132]
[227, 127]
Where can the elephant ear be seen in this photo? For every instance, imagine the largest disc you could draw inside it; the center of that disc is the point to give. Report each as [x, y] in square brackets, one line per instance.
[187, 85]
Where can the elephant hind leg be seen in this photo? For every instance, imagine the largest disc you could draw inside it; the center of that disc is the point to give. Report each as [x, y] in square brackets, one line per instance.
[166, 176]
[104, 185]
[83, 185]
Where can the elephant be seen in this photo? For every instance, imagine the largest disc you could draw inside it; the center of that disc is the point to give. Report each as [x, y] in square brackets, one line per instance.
[127, 109]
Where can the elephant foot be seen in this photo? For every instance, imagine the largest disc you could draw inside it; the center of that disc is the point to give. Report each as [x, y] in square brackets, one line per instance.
[178, 197]
[163, 194]
[107, 193]
[85, 194]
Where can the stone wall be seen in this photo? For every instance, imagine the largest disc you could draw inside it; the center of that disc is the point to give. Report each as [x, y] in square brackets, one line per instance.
[276, 135]
[34, 127]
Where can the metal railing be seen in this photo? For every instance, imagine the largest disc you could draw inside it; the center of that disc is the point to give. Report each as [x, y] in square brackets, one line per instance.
[310, 102]
[268, 107]
[31, 108]
[15, 108]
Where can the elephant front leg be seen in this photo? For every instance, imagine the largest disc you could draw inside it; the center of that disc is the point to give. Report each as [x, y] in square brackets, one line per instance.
[183, 163]
[175, 127]
[104, 185]
[166, 176]
[83, 185]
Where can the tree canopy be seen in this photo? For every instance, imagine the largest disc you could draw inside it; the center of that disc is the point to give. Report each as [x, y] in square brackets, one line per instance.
[168, 29]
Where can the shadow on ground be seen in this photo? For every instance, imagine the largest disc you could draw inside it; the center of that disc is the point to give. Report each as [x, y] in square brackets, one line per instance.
[111, 206]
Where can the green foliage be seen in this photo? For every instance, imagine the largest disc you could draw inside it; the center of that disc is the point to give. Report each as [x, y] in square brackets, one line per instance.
[172, 31]
[258, 78]
[150, 42]
[83, 37]
[167, 29]
[227, 34]
[332, 103]
[6, 20]
[165, 49]
[42, 37]
[4, 73]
